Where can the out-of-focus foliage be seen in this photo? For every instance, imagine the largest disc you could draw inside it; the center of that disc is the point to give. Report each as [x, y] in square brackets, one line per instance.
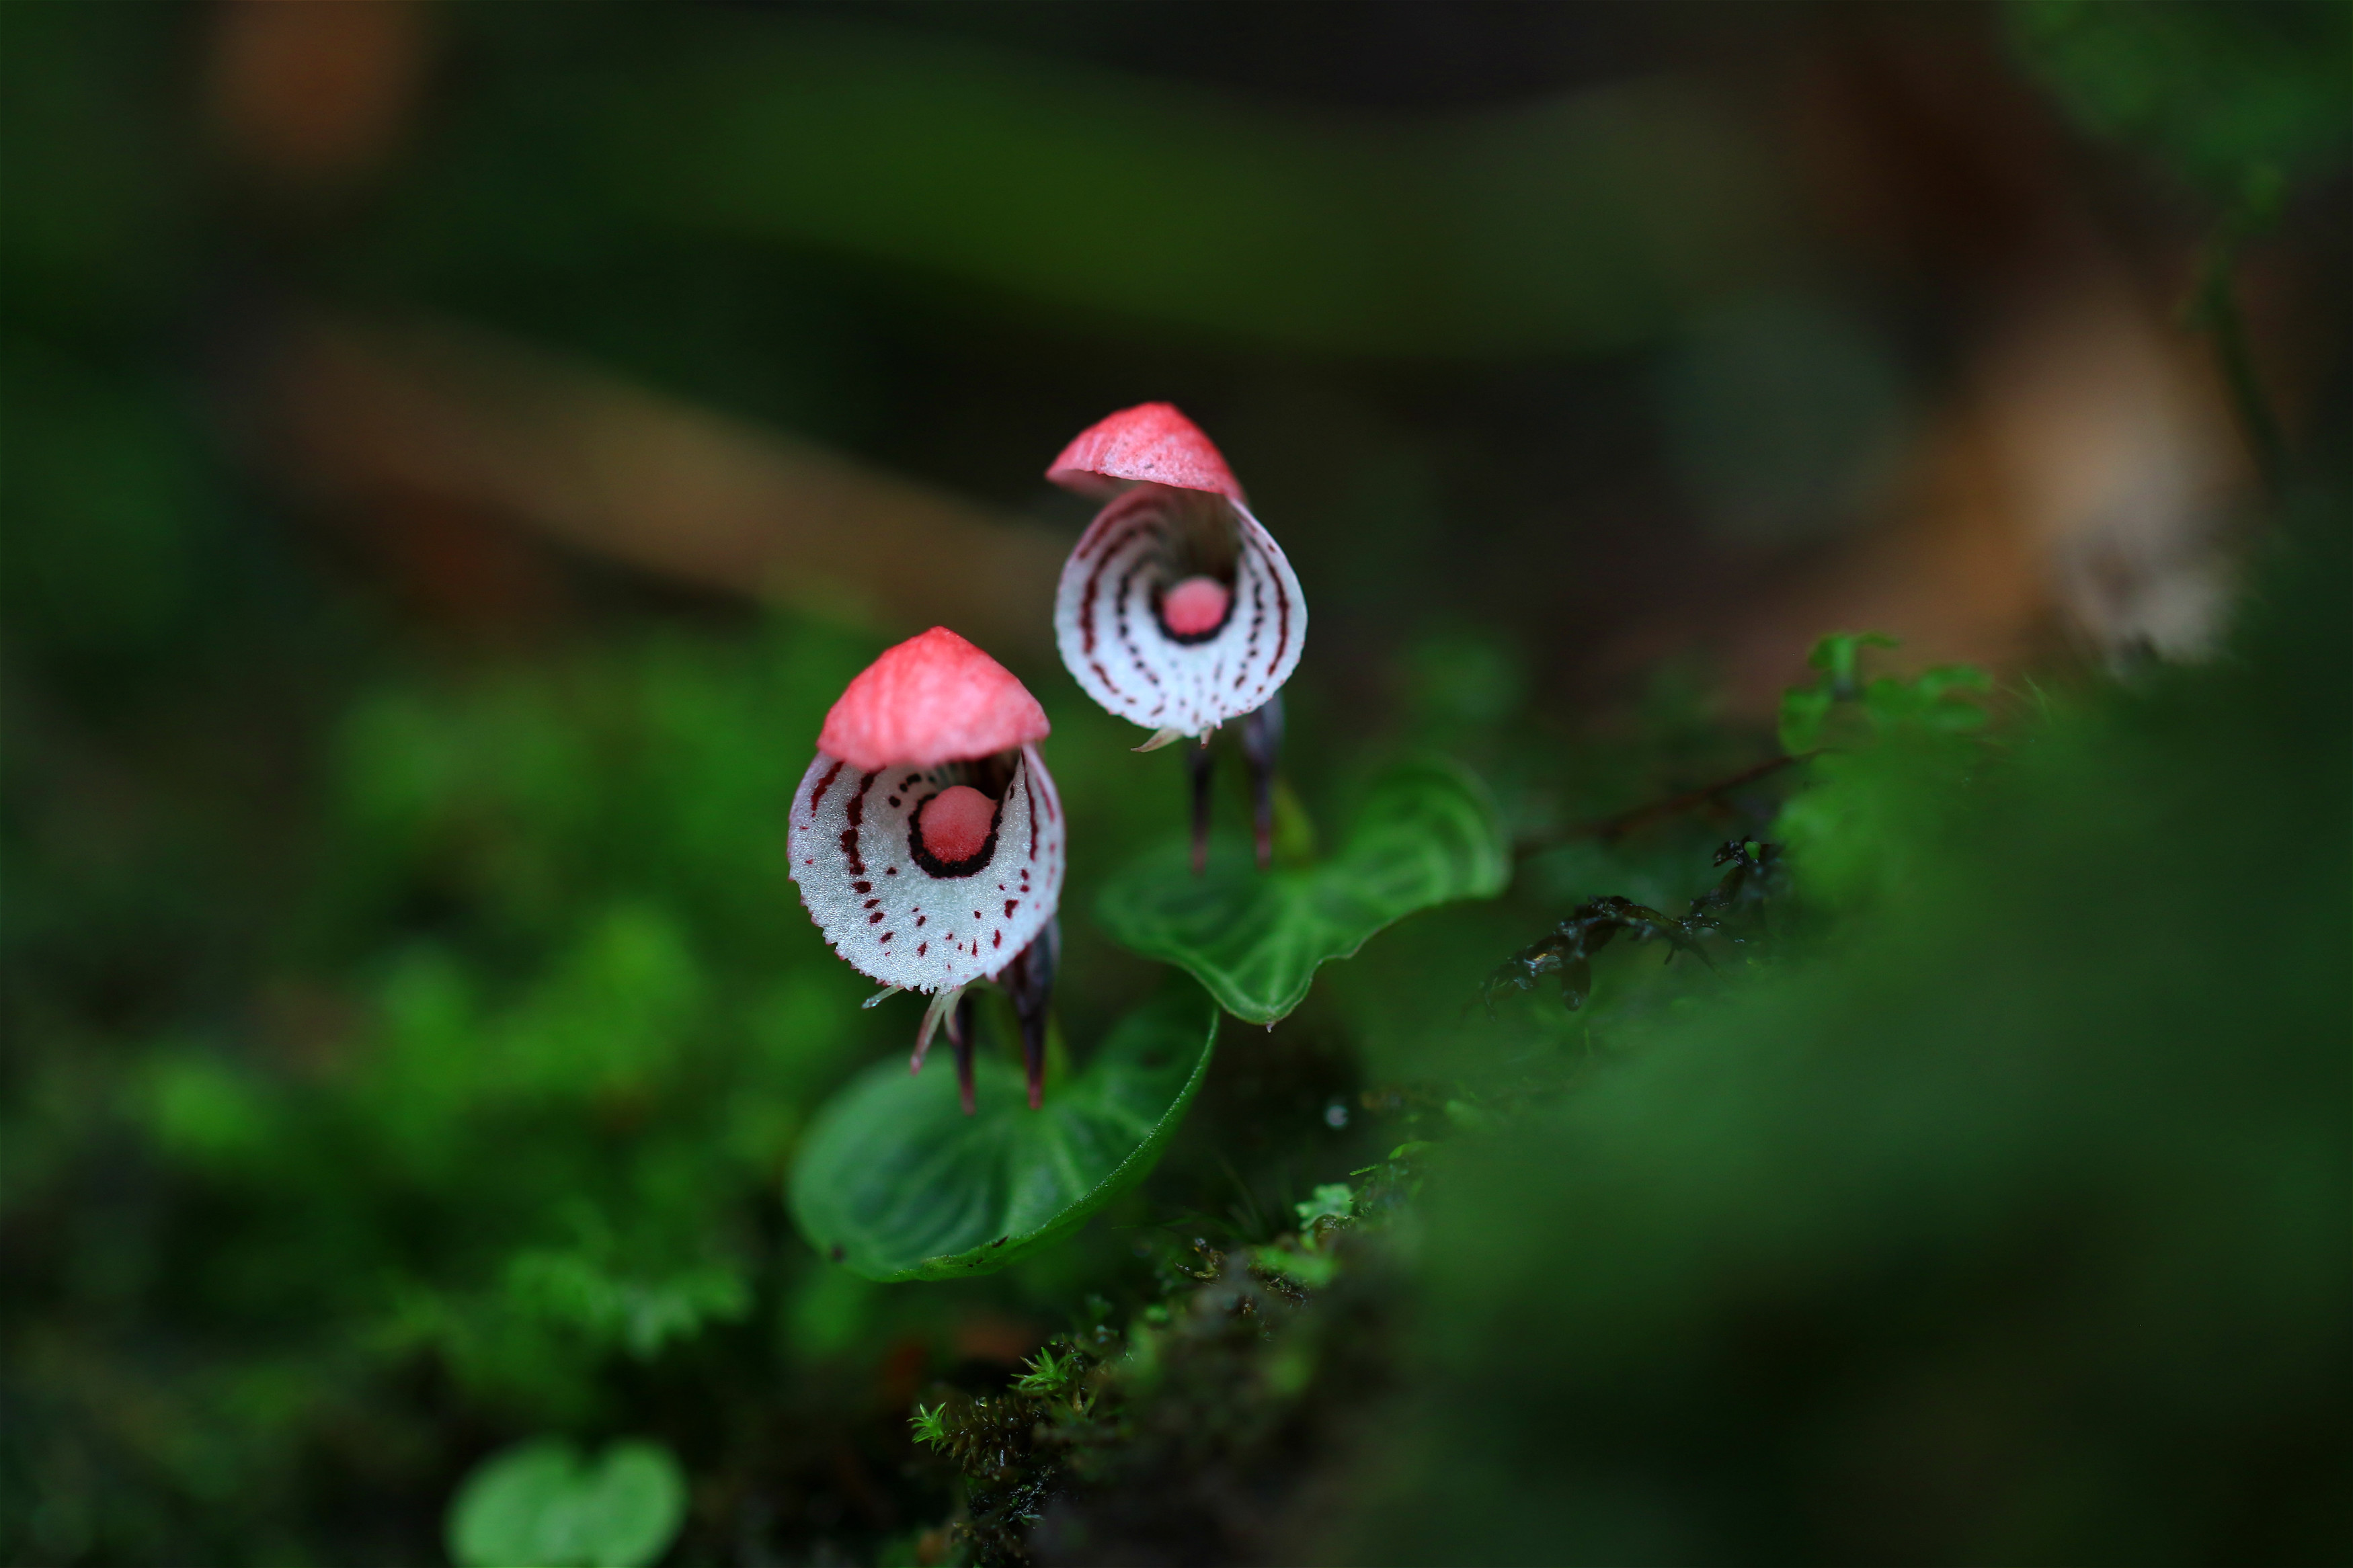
[1933, 702]
[119, 537]
[540, 1502]
[1886, 756]
[511, 1109]
[1587, 221]
[2218, 92]
[2012, 1225]
[895, 1181]
[1426, 835]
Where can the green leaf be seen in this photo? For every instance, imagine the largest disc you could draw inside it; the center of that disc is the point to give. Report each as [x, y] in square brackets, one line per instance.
[1839, 657]
[1335, 1198]
[538, 1505]
[642, 1315]
[1804, 711]
[896, 1182]
[1838, 709]
[1316, 1270]
[1427, 834]
[2217, 93]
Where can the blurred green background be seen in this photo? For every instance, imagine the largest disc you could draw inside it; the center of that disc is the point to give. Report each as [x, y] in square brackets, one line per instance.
[454, 453]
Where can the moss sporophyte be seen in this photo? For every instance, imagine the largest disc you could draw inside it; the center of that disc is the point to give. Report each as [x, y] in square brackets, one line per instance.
[1177, 610]
[928, 841]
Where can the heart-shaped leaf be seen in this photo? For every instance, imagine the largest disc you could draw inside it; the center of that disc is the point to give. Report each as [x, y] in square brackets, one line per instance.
[539, 1505]
[894, 1182]
[1427, 834]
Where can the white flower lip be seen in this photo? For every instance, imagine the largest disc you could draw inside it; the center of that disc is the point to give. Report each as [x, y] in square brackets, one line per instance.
[903, 915]
[1107, 610]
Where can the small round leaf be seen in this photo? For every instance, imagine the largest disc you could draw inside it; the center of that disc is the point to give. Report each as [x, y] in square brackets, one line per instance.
[537, 1505]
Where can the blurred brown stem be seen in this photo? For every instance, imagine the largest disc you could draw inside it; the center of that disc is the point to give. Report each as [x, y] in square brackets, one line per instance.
[1610, 828]
[379, 417]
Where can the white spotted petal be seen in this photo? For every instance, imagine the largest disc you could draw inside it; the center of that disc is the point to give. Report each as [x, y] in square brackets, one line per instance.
[862, 873]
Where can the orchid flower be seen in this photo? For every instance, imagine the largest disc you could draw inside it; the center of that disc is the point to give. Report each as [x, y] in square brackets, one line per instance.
[1177, 610]
[928, 841]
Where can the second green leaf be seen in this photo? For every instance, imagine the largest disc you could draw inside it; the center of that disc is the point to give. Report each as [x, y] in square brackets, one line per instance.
[1428, 833]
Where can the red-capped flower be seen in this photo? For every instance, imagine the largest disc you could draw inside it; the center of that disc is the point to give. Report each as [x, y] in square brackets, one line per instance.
[1177, 610]
[927, 839]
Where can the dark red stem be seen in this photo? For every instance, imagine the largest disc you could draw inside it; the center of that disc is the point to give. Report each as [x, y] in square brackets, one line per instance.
[1609, 828]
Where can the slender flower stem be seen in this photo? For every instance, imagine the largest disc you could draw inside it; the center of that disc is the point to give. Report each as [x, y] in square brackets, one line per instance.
[1198, 764]
[960, 1035]
[1262, 750]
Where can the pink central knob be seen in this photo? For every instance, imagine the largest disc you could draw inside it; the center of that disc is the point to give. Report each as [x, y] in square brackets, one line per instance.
[954, 823]
[1195, 605]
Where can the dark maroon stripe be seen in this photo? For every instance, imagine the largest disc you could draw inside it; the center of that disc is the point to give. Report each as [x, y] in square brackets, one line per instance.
[1282, 617]
[1127, 640]
[824, 784]
[1087, 598]
[1097, 531]
[1044, 796]
[1257, 611]
[857, 817]
[1146, 516]
[1258, 624]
